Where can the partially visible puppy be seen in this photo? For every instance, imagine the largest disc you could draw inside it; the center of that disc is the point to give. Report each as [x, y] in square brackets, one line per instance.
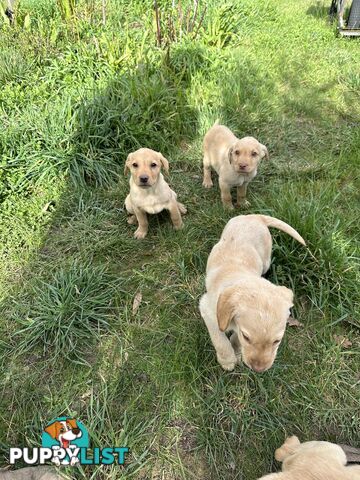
[149, 192]
[30, 473]
[239, 300]
[234, 160]
[312, 461]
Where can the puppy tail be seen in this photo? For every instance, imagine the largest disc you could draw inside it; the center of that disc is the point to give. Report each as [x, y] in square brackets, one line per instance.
[280, 225]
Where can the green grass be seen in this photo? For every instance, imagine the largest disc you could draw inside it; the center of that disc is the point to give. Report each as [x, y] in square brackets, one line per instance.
[76, 97]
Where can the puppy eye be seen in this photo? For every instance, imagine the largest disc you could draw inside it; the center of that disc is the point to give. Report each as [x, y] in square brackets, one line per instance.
[254, 154]
[62, 430]
[277, 342]
[237, 152]
[135, 165]
[153, 165]
[246, 337]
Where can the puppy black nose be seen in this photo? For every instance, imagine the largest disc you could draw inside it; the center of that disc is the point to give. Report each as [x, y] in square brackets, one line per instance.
[76, 431]
[243, 166]
[144, 178]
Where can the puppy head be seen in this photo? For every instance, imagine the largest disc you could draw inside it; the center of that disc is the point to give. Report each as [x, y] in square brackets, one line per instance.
[258, 314]
[287, 448]
[245, 154]
[145, 166]
[58, 429]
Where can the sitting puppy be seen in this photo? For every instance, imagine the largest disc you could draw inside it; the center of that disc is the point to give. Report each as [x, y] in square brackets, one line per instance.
[312, 461]
[234, 160]
[238, 299]
[149, 193]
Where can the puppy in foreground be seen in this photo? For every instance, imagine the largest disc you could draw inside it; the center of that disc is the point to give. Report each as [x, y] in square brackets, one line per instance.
[30, 473]
[149, 192]
[312, 461]
[239, 300]
[234, 160]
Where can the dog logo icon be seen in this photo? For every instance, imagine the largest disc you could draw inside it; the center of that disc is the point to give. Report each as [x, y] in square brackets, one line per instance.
[65, 436]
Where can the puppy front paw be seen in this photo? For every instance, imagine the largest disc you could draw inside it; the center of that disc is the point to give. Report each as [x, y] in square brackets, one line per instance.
[228, 363]
[243, 203]
[140, 233]
[132, 220]
[182, 208]
[207, 183]
[178, 226]
[228, 206]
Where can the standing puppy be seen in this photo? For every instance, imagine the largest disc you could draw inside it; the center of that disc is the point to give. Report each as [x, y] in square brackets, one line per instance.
[312, 461]
[238, 299]
[234, 160]
[149, 193]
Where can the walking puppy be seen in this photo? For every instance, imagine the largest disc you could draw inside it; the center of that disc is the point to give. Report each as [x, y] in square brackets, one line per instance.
[149, 193]
[234, 160]
[238, 299]
[312, 461]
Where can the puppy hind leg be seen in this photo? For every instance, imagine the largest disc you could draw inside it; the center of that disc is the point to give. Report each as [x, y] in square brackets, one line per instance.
[132, 220]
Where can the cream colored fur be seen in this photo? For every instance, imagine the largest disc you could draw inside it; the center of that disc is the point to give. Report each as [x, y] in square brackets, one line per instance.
[239, 300]
[153, 196]
[234, 160]
[312, 461]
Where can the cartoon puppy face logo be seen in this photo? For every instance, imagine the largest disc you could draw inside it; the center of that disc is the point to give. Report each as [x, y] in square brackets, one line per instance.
[64, 431]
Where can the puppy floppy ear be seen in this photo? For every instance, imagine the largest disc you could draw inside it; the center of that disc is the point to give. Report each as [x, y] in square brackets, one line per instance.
[230, 152]
[164, 162]
[287, 448]
[127, 164]
[225, 308]
[52, 430]
[286, 294]
[264, 152]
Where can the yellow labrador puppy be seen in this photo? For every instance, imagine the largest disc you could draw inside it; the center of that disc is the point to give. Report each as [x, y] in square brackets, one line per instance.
[234, 160]
[238, 299]
[312, 461]
[149, 192]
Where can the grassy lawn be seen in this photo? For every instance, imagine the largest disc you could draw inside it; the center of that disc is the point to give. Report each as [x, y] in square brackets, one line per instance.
[76, 97]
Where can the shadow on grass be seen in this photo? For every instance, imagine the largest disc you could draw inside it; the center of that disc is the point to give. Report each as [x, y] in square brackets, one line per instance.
[319, 10]
[65, 318]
